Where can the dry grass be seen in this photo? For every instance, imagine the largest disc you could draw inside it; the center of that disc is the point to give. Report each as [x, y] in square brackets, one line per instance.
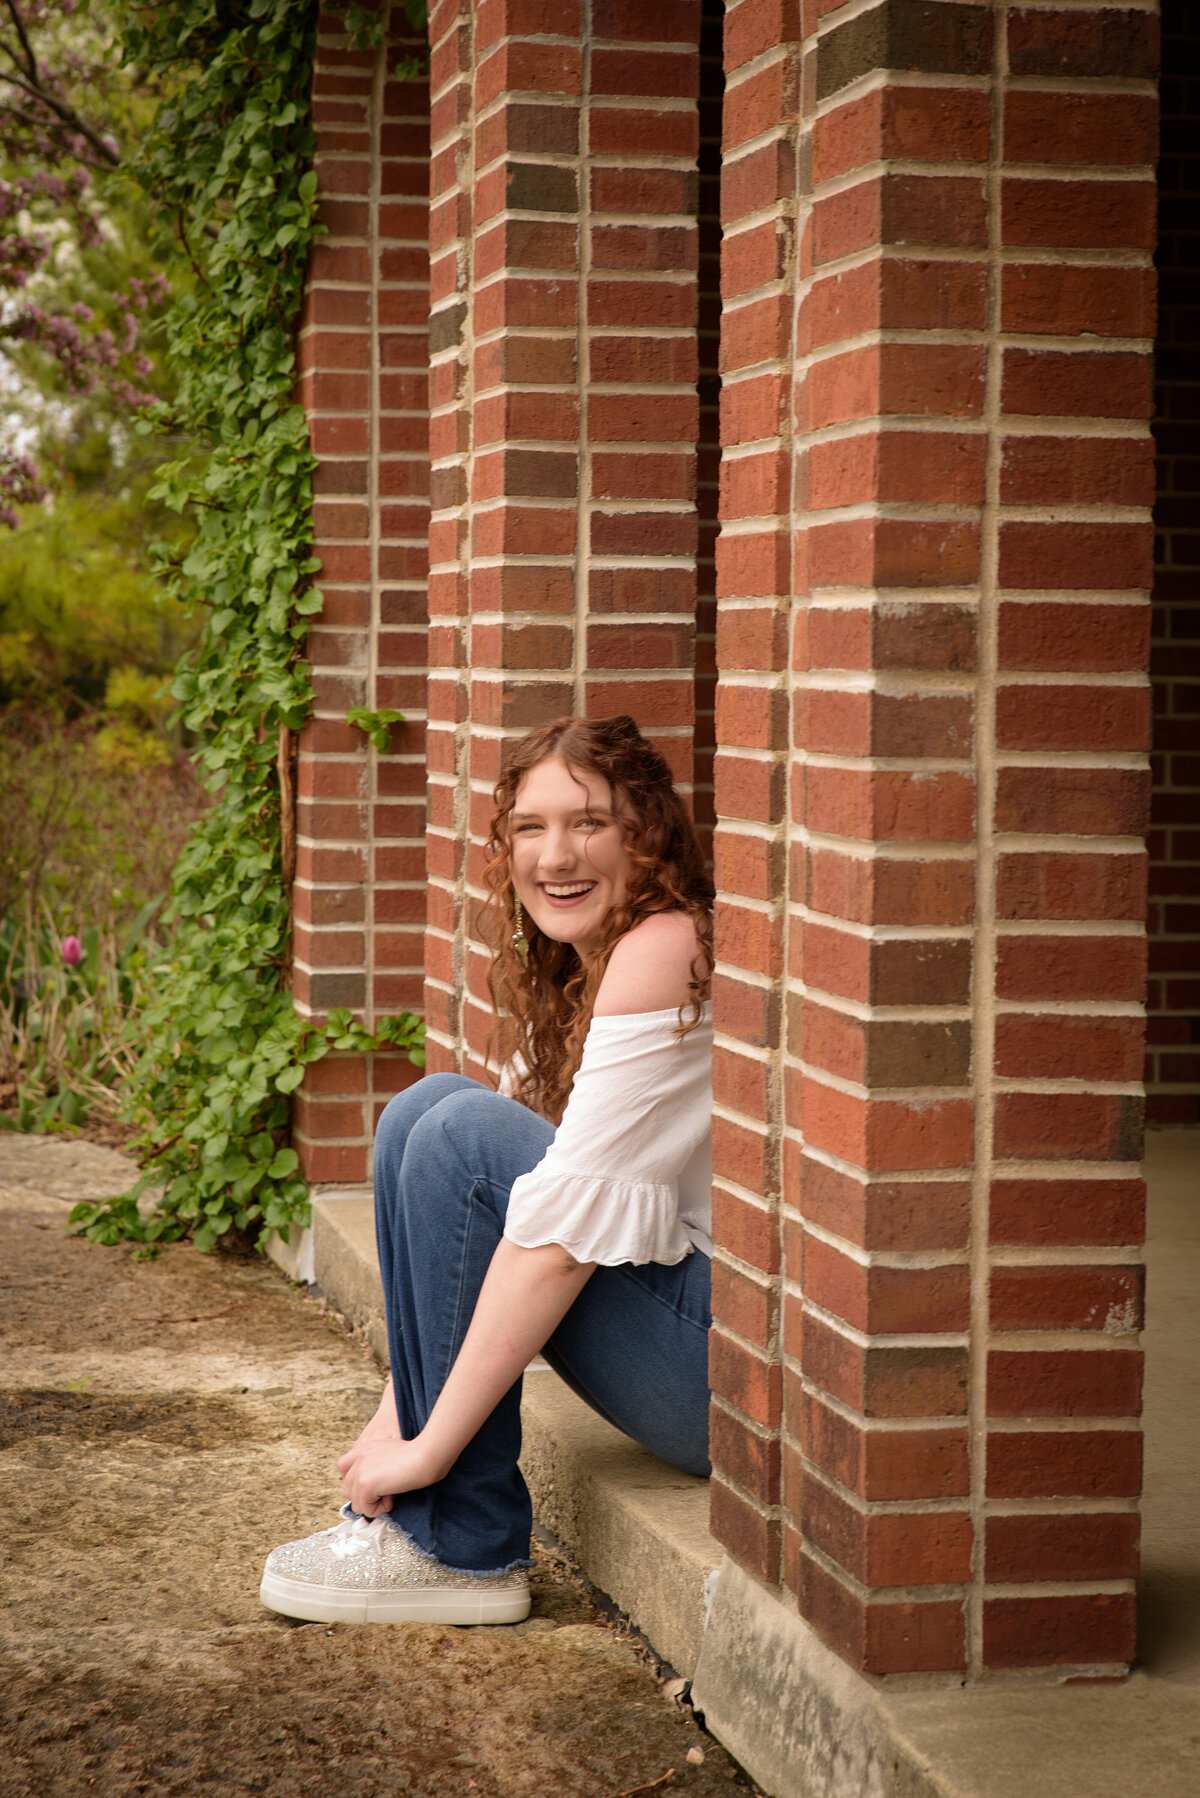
[88, 839]
[65, 1041]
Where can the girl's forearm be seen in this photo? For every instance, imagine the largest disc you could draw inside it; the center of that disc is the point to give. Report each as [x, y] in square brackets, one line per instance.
[525, 1294]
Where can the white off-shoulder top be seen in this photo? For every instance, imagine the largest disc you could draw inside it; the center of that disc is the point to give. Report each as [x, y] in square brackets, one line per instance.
[628, 1176]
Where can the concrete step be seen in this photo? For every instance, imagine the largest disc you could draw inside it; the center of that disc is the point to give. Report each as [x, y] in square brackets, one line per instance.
[638, 1528]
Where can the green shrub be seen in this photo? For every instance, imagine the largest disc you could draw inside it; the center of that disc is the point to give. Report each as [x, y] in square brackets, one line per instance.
[79, 604]
[93, 819]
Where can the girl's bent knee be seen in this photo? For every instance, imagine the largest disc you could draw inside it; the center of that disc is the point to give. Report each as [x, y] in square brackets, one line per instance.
[474, 1134]
[464, 1119]
[406, 1109]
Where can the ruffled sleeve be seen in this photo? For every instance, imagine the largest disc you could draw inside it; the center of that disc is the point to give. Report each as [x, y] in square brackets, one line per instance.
[607, 1189]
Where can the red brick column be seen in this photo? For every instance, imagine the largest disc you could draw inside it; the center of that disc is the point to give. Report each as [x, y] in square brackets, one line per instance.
[359, 895]
[753, 586]
[927, 1295]
[563, 413]
[1173, 1062]
[1072, 479]
[878, 1107]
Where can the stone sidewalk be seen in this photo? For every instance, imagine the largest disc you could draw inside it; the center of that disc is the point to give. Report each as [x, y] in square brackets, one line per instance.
[162, 1424]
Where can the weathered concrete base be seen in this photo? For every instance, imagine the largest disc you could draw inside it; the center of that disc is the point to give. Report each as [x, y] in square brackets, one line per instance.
[295, 1256]
[801, 1722]
[344, 1219]
[804, 1725]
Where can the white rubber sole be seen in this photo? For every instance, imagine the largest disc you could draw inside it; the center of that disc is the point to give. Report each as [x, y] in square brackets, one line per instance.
[434, 1604]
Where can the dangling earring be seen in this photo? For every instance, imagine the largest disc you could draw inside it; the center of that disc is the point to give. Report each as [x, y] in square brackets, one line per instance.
[519, 940]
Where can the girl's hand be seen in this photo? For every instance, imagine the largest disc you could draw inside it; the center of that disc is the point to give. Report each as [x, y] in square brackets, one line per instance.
[383, 1429]
[372, 1474]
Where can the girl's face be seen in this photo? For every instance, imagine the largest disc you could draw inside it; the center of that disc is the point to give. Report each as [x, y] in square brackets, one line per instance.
[570, 865]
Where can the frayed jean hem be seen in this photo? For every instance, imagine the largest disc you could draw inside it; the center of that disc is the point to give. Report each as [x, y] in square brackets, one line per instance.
[518, 1566]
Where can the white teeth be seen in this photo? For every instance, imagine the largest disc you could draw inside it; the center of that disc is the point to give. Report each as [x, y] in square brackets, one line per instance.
[568, 892]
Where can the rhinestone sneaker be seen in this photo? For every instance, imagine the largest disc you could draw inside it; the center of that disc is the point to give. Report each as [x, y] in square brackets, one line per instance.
[363, 1570]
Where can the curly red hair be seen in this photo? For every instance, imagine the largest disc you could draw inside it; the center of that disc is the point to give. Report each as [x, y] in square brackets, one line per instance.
[544, 1004]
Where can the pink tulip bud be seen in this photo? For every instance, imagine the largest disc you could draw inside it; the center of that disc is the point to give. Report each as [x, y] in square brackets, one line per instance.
[72, 951]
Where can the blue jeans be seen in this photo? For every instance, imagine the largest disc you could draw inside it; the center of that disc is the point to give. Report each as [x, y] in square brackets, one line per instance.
[634, 1344]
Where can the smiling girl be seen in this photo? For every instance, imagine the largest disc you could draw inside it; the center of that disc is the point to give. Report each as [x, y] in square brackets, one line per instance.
[569, 1213]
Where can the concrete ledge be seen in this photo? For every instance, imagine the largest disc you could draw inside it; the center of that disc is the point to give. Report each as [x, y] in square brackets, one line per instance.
[805, 1725]
[637, 1528]
[345, 1262]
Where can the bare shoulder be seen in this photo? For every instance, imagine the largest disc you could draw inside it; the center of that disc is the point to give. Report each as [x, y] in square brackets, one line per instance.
[650, 967]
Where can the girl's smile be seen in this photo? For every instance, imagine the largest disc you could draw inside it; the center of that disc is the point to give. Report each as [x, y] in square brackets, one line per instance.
[570, 863]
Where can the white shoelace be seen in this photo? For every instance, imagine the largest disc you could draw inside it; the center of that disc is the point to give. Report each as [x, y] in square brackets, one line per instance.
[357, 1537]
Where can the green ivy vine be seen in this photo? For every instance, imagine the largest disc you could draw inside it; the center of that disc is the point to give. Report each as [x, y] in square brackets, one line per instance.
[228, 162]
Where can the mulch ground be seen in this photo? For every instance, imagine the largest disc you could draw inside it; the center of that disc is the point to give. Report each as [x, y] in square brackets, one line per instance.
[165, 1422]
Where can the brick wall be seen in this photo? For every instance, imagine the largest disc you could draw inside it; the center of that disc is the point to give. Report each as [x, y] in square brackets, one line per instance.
[931, 793]
[1173, 1070]
[930, 720]
[359, 890]
[563, 343]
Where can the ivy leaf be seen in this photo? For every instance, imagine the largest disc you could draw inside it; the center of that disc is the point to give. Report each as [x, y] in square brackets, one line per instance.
[376, 725]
